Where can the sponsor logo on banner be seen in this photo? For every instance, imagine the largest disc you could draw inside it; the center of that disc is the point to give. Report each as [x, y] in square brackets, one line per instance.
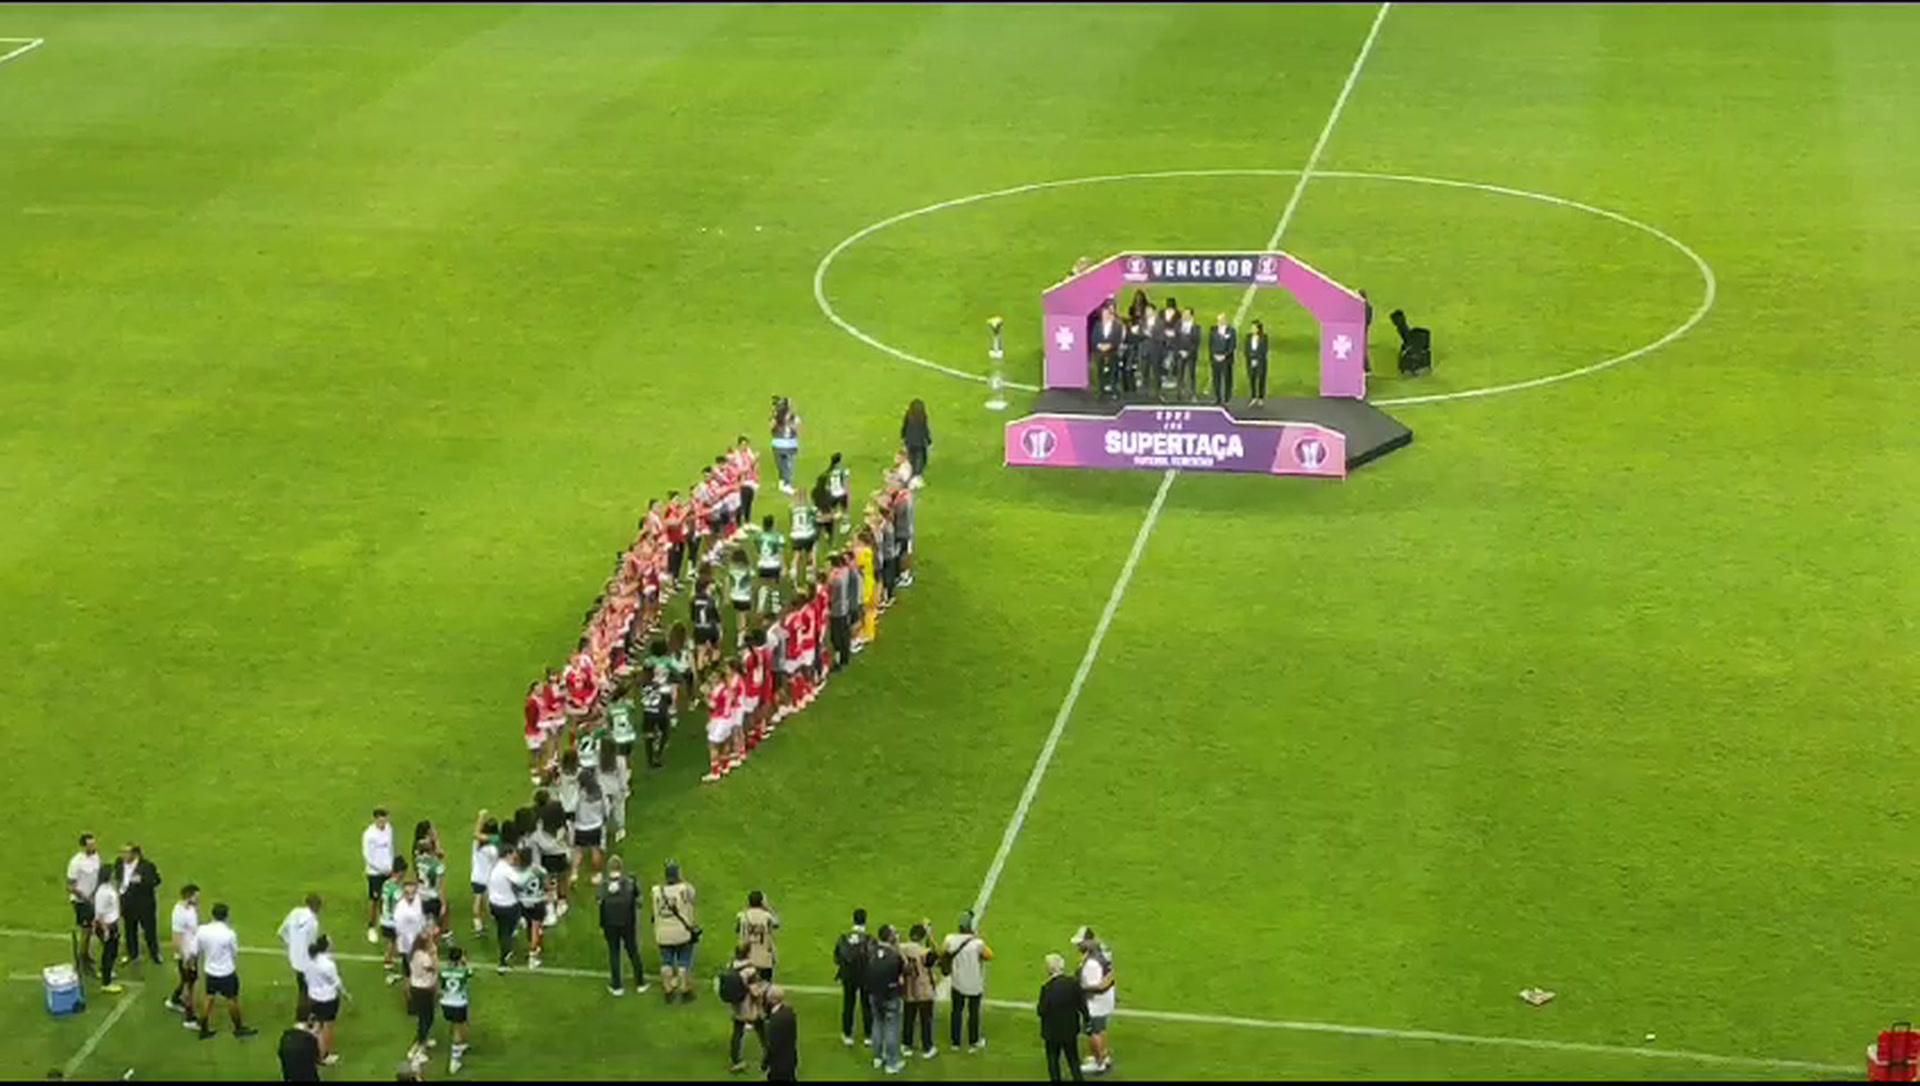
[1039, 442]
[1311, 452]
[1268, 271]
[1136, 270]
[1174, 448]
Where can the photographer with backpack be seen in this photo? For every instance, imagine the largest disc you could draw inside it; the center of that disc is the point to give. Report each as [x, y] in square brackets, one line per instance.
[850, 954]
[741, 988]
[886, 973]
[963, 958]
[1097, 981]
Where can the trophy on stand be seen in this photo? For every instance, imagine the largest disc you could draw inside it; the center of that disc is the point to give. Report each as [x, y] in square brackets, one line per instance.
[996, 375]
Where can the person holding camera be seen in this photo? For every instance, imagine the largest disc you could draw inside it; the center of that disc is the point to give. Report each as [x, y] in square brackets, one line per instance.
[785, 441]
[885, 973]
[741, 987]
[850, 954]
[963, 958]
[754, 927]
[676, 932]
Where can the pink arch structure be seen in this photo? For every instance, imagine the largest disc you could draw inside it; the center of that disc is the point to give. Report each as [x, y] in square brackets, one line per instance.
[1340, 312]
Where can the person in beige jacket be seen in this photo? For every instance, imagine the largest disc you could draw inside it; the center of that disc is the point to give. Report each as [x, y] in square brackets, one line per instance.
[676, 928]
[917, 958]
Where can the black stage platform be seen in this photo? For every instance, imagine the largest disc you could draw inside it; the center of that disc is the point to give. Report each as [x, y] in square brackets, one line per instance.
[1371, 433]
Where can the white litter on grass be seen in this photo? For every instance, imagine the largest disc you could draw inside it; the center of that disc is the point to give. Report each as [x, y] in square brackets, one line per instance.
[1649, 1036]
[1536, 996]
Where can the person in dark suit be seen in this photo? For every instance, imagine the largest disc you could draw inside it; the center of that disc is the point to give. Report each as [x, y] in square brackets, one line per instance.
[1220, 346]
[300, 1052]
[780, 1037]
[1257, 363]
[1063, 1014]
[1145, 359]
[1129, 351]
[1366, 333]
[1187, 381]
[1109, 337]
[1169, 345]
[138, 879]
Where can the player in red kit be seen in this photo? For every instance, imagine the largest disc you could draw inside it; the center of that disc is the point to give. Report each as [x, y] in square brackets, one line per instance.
[535, 733]
[675, 519]
[761, 647]
[822, 668]
[582, 686]
[752, 678]
[737, 713]
[719, 724]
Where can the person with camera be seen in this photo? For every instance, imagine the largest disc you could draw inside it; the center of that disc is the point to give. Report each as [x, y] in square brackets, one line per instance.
[755, 926]
[850, 954]
[784, 439]
[885, 973]
[742, 988]
[676, 931]
[917, 988]
[963, 958]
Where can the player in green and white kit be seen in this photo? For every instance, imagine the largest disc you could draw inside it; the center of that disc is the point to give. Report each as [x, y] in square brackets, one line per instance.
[430, 867]
[771, 544]
[740, 592]
[656, 712]
[593, 732]
[456, 982]
[390, 892]
[622, 735]
[533, 910]
[804, 532]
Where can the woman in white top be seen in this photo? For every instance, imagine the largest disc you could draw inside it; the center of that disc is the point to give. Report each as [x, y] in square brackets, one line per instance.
[324, 991]
[589, 823]
[482, 855]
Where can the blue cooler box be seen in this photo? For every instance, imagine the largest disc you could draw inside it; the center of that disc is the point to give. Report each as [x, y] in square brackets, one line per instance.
[63, 990]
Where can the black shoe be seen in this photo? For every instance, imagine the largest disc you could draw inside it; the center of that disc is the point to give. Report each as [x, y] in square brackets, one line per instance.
[155, 960]
[205, 1033]
[245, 1031]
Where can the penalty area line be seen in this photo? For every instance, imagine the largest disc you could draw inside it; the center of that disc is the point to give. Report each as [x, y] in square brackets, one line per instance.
[1171, 1017]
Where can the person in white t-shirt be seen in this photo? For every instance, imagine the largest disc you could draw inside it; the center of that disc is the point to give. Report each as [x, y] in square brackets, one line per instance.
[106, 923]
[297, 933]
[186, 928]
[218, 949]
[376, 855]
[83, 878]
[409, 923]
[482, 854]
[1097, 981]
[324, 991]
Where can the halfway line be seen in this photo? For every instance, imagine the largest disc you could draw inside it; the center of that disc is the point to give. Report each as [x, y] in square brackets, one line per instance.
[30, 46]
[1040, 765]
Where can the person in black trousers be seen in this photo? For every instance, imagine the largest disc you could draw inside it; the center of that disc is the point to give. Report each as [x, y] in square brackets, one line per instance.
[138, 879]
[619, 917]
[1063, 1013]
[300, 1053]
[1186, 379]
[1366, 332]
[917, 437]
[1257, 363]
[1220, 345]
[780, 1038]
[850, 954]
[1109, 334]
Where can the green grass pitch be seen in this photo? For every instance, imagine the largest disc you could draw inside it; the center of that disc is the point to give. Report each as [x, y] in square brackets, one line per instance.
[340, 348]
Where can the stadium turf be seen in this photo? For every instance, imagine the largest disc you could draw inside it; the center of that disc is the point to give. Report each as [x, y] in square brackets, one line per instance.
[342, 346]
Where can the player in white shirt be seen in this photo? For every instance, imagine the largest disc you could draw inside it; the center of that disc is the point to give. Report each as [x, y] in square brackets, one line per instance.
[106, 922]
[218, 949]
[297, 933]
[186, 926]
[409, 923]
[1096, 980]
[376, 856]
[482, 855]
[324, 991]
[83, 878]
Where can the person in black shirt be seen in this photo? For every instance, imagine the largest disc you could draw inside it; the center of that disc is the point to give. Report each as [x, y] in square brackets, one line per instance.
[850, 954]
[1187, 380]
[1257, 363]
[138, 879]
[300, 1053]
[780, 1038]
[619, 909]
[705, 612]
[1063, 1013]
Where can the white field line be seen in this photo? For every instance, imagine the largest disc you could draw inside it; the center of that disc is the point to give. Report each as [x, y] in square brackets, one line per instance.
[27, 45]
[1177, 1017]
[1019, 819]
[126, 1001]
[1041, 764]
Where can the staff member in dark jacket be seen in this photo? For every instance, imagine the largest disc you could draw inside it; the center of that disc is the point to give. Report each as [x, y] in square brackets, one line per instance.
[1187, 349]
[619, 917]
[1109, 336]
[138, 879]
[1063, 1013]
[300, 1053]
[918, 438]
[780, 1035]
[1220, 345]
[1257, 363]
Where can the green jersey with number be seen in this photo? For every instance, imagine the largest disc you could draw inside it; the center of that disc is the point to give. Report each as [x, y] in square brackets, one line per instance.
[432, 870]
[837, 481]
[533, 888]
[802, 522]
[768, 603]
[739, 584]
[657, 699]
[590, 745]
[455, 982]
[389, 897]
[620, 715]
[770, 544]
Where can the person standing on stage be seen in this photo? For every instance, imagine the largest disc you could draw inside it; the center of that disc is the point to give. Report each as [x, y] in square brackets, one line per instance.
[1186, 379]
[1109, 335]
[1130, 347]
[1220, 346]
[1257, 363]
[1145, 359]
